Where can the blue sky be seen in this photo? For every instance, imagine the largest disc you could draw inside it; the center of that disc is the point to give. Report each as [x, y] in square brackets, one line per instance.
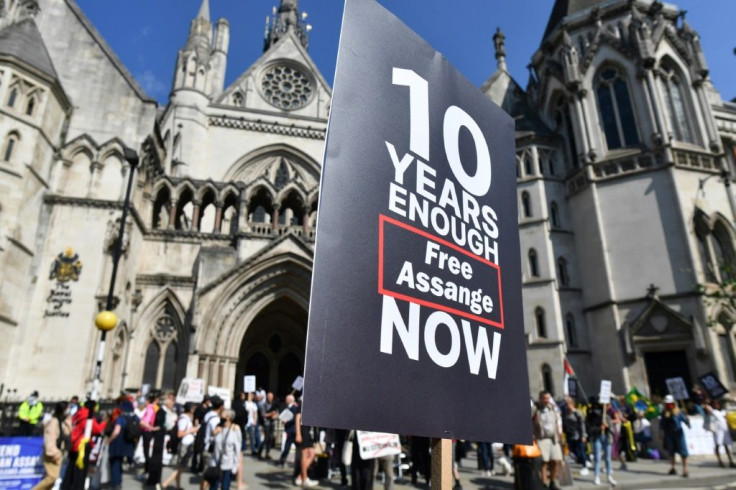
[147, 34]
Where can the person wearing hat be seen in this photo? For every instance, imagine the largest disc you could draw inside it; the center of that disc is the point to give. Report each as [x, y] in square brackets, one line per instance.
[672, 434]
[29, 413]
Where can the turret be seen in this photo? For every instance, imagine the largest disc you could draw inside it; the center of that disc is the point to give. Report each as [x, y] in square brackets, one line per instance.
[219, 57]
[192, 64]
[284, 20]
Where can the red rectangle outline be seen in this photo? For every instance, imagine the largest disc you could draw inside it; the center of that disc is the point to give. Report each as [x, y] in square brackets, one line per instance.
[382, 219]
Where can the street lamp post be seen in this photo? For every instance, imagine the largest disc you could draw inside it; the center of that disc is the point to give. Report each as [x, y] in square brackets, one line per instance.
[107, 320]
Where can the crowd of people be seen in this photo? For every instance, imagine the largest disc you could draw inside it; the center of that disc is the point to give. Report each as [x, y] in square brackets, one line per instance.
[210, 440]
[596, 434]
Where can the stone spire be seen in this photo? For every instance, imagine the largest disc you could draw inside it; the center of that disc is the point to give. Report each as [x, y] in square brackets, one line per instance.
[499, 42]
[286, 19]
[204, 11]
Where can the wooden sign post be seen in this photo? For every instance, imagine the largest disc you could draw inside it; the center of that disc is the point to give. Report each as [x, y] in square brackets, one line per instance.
[441, 464]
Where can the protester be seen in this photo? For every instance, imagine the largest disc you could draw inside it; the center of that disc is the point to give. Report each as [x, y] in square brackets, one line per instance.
[147, 423]
[254, 436]
[642, 434]
[269, 414]
[305, 443]
[420, 458]
[56, 429]
[715, 422]
[227, 444]
[186, 431]
[573, 425]
[598, 427]
[672, 434]
[199, 414]
[158, 435]
[73, 405]
[76, 467]
[289, 429]
[338, 437]
[361, 470]
[29, 413]
[120, 447]
[547, 429]
[211, 427]
[241, 416]
[485, 452]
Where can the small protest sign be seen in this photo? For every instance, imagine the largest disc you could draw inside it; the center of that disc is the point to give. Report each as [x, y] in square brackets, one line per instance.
[378, 444]
[604, 396]
[286, 416]
[677, 388]
[713, 385]
[223, 393]
[190, 390]
[298, 384]
[249, 383]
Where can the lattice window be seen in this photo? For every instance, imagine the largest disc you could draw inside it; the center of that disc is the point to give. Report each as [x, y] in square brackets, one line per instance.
[615, 109]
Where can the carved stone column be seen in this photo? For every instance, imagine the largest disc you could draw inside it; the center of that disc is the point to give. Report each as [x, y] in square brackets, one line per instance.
[172, 214]
[305, 219]
[275, 219]
[218, 217]
[95, 170]
[196, 205]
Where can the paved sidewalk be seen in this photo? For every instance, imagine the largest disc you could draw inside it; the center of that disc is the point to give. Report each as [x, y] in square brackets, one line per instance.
[644, 474]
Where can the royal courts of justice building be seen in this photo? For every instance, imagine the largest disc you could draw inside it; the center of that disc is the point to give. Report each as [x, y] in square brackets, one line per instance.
[624, 152]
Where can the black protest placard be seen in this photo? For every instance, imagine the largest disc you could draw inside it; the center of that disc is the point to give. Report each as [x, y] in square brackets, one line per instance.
[712, 385]
[415, 322]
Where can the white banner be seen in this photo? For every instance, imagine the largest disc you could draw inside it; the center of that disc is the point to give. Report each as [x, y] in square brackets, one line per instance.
[190, 390]
[249, 384]
[377, 444]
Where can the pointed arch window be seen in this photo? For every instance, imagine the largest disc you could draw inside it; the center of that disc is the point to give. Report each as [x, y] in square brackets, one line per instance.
[526, 204]
[564, 127]
[723, 251]
[161, 364]
[564, 276]
[533, 264]
[547, 379]
[554, 215]
[572, 335]
[528, 170]
[31, 105]
[615, 109]
[11, 142]
[540, 323]
[674, 96]
[13, 97]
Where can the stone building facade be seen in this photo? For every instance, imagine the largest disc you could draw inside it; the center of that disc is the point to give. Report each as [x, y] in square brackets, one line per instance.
[622, 143]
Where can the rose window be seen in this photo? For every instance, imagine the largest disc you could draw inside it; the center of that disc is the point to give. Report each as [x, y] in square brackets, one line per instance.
[286, 87]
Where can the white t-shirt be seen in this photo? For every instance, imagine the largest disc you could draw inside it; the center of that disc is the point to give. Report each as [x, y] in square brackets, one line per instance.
[252, 408]
[211, 421]
[184, 424]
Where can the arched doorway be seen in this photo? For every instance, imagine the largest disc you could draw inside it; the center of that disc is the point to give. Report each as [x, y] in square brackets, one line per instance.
[273, 347]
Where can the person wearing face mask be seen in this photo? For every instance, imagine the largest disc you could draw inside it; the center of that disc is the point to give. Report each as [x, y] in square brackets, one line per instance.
[56, 431]
[672, 434]
[29, 413]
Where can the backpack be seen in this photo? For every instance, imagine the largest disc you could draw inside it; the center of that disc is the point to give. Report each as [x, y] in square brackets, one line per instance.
[132, 428]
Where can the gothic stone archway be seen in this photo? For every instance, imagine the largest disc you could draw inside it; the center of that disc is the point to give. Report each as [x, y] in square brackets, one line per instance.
[273, 347]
